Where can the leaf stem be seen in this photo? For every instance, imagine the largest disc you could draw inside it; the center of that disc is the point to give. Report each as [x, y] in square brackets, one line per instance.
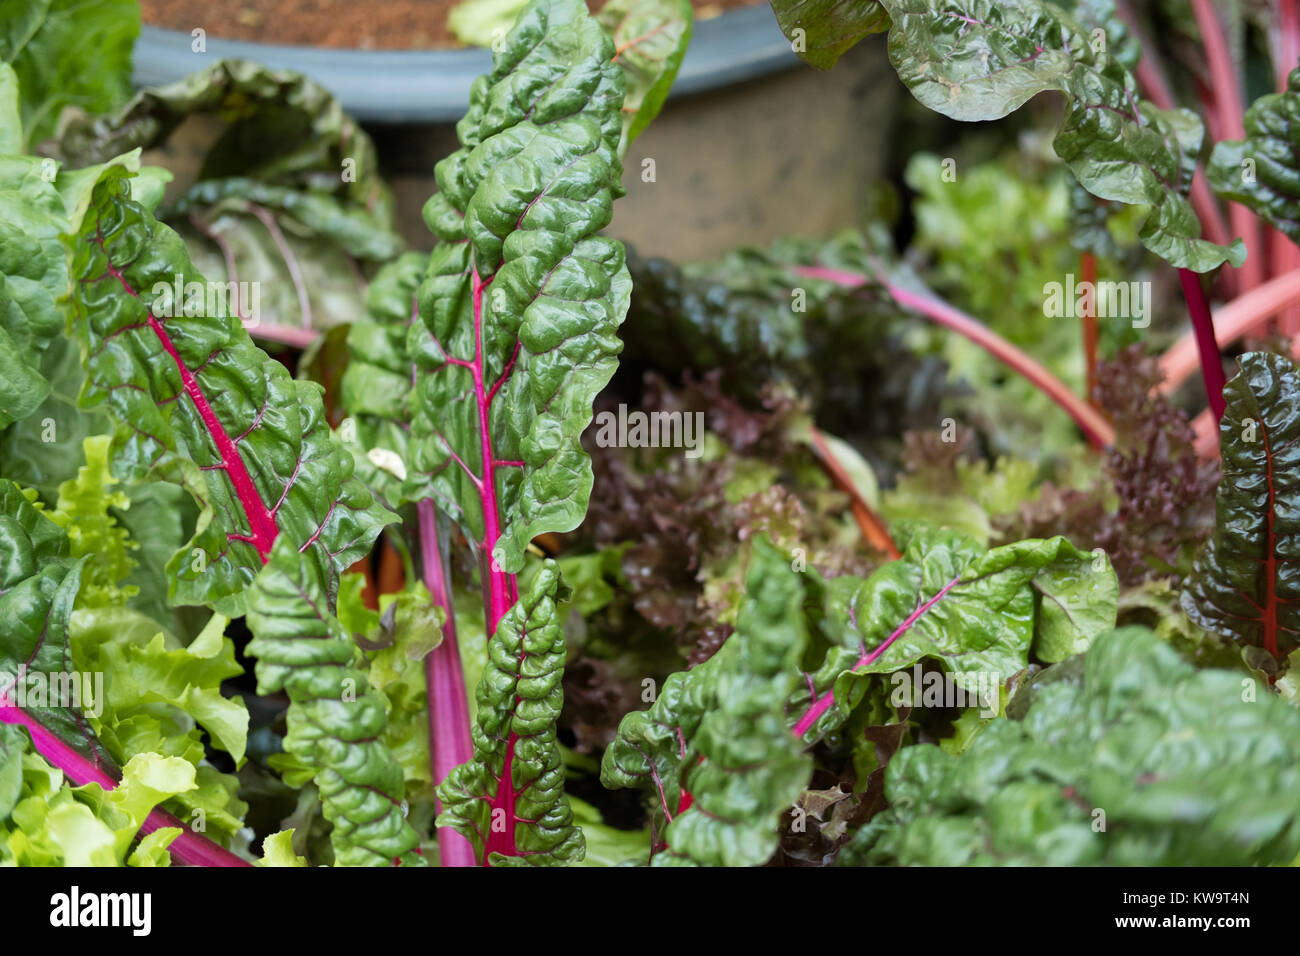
[1229, 109]
[449, 737]
[1239, 317]
[871, 524]
[1099, 431]
[1203, 330]
[190, 847]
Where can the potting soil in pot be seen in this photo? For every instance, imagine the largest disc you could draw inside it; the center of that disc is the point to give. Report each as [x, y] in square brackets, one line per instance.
[340, 24]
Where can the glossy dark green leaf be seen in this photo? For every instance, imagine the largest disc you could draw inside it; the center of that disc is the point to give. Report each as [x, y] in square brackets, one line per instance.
[1263, 170]
[975, 612]
[509, 799]
[821, 31]
[522, 302]
[977, 60]
[1246, 581]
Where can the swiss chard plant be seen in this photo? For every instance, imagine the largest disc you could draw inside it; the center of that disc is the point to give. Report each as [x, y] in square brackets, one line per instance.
[503, 544]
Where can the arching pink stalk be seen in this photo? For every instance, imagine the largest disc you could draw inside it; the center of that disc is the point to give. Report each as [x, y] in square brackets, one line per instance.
[1098, 430]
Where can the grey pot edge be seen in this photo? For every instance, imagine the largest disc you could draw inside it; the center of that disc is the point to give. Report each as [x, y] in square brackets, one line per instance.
[432, 86]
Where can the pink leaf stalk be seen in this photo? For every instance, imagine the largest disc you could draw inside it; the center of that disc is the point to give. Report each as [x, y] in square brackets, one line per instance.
[449, 741]
[823, 703]
[189, 848]
[1228, 112]
[500, 589]
[1098, 430]
[1203, 330]
[1240, 317]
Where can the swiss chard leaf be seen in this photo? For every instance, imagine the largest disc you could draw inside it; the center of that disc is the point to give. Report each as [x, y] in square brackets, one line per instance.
[650, 41]
[974, 60]
[1128, 756]
[197, 404]
[288, 200]
[972, 610]
[38, 587]
[1245, 583]
[377, 387]
[67, 53]
[509, 800]
[715, 750]
[821, 31]
[1263, 170]
[522, 302]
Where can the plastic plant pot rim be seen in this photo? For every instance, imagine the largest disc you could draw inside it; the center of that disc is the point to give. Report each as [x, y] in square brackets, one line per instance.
[432, 86]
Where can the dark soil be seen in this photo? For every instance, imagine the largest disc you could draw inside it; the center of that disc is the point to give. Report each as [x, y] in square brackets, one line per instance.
[391, 25]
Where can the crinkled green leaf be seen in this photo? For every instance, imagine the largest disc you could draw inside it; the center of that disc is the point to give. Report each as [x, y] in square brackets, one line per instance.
[277, 850]
[38, 587]
[509, 800]
[144, 668]
[337, 722]
[289, 198]
[199, 405]
[719, 733]
[68, 53]
[1263, 170]
[821, 31]
[980, 60]
[522, 302]
[975, 612]
[377, 388]
[1245, 584]
[39, 205]
[650, 41]
[1135, 758]
[196, 403]
[93, 532]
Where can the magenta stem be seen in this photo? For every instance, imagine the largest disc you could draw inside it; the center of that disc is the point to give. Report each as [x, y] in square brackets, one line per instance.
[823, 703]
[1099, 431]
[189, 848]
[449, 738]
[1206, 346]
